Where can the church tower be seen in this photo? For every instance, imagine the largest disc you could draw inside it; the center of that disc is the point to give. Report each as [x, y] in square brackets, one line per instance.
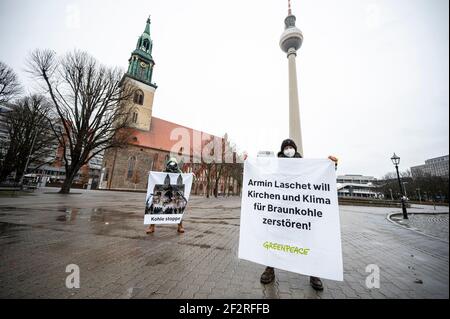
[140, 71]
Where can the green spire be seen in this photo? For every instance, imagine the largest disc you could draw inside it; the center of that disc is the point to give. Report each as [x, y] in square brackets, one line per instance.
[141, 62]
[145, 42]
[147, 27]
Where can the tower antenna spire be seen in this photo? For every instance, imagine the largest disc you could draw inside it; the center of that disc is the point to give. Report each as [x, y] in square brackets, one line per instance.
[289, 7]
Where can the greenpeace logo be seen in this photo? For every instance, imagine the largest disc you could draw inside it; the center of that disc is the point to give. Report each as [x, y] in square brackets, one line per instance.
[286, 248]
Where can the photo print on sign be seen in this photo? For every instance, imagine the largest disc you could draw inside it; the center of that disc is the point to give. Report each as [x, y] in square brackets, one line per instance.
[167, 198]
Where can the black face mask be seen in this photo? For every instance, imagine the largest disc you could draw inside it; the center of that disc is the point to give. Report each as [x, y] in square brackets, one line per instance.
[173, 167]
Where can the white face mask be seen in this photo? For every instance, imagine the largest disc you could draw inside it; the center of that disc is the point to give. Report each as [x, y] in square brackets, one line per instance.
[289, 152]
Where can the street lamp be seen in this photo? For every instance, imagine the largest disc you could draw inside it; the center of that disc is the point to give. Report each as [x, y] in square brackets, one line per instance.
[396, 160]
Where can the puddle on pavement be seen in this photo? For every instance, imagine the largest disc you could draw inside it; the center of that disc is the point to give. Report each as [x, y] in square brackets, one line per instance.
[16, 211]
[4, 226]
[102, 215]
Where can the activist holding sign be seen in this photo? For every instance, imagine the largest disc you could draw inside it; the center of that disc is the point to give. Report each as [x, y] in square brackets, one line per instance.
[289, 150]
[171, 167]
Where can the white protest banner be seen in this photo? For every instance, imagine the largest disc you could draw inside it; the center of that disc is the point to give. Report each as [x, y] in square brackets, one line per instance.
[167, 197]
[290, 216]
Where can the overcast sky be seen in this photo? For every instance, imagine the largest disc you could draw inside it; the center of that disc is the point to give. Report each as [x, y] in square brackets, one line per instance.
[373, 74]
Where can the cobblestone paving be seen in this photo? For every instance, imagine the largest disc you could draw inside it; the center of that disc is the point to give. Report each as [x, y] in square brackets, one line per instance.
[102, 233]
[432, 224]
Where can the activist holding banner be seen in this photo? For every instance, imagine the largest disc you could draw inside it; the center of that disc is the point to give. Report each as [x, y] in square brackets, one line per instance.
[171, 167]
[289, 150]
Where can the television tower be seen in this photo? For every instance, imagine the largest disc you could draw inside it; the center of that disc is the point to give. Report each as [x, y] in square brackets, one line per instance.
[291, 40]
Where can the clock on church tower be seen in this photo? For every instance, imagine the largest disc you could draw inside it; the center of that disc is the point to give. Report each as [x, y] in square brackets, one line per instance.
[140, 71]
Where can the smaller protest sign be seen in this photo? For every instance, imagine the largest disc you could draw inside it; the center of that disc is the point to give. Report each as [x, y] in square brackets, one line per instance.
[167, 197]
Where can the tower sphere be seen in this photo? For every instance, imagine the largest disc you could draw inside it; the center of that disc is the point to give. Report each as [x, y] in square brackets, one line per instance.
[292, 37]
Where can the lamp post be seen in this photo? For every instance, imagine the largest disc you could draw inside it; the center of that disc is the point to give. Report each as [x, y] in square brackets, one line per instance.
[396, 160]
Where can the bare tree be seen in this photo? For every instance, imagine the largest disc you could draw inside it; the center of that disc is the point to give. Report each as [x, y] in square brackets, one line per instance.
[390, 176]
[406, 174]
[218, 170]
[422, 186]
[29, 135]
[92, 104]
[223, 165]
[9, 84]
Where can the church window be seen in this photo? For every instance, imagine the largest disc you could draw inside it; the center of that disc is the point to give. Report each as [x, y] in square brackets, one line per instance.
[135, 117]
[138, 97]
[146, 44]
[131, 165]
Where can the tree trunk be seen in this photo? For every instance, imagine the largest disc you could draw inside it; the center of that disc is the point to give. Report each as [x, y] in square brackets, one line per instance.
[65, 189]
[70, 175]
[216, 185]
[4, 173]
[208, 181]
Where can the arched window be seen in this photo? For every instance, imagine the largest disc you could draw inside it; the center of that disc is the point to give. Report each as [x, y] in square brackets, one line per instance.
[146, 44]
[105, 177]
[135, 117]
[138, 97]
[131, 165]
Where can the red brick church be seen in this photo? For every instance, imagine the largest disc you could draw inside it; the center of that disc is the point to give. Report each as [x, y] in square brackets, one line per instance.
[154, 140]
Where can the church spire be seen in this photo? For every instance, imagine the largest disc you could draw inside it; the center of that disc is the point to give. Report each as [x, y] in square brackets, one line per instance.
[141, 61]
[145, 42]
[147, 27]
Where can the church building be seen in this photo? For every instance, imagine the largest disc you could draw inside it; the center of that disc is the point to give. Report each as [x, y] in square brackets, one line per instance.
[150, 144]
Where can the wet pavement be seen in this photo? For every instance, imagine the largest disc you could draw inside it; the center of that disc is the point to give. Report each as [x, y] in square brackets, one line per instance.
[429, 223]
[103, 233]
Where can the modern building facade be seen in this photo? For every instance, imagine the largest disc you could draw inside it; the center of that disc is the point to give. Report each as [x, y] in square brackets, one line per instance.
[357, 186]
[437, 166]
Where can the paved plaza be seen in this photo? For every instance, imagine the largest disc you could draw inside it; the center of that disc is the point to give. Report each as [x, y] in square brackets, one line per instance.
[103, 233]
